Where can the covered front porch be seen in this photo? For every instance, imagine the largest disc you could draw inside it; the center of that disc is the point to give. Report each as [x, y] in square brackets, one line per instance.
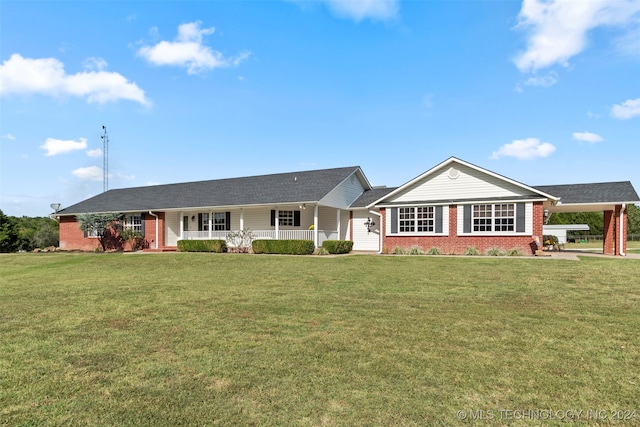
[286, 222]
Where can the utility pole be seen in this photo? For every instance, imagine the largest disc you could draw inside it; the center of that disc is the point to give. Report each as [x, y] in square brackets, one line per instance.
[105, 162]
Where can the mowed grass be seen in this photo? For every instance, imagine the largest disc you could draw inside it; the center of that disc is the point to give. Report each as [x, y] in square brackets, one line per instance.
[208, 339]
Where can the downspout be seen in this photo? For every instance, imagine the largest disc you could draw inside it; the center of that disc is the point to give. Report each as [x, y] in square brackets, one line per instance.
[379, 215]
[624, 206]
[156, 216]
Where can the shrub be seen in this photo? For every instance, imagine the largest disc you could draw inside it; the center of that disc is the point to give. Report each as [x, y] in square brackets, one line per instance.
[415, 250]
[399, 251]
[287, 247]
[321, 251]
[218, 246]
[514, 252]
[338, 246]
[471, 251]
[240, 241]
[434, 251]
[494, 252]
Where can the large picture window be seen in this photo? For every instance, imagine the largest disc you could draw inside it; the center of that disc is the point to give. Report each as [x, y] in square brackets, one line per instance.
[285, 218]
[416, 219]
[498, 217]
[420, 219]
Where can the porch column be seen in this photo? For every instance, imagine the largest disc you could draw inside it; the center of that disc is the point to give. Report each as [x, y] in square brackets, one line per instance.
[608, 233]
[210, 224]
[338, 222]
[620, 230]
[241, 219]
[181, 225]
[277, 224]
[315, 225]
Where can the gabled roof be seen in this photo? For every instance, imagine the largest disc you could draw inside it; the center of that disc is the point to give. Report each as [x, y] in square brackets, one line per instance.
[453, 160]
[601, 192]
[292, 187]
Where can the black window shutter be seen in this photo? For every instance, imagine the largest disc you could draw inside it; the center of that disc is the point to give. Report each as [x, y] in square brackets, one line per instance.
[142, 223]
[520, 217]
[227, 221]
[273, 217]
[86, 234]
[394, 220]
[438, 219]
[199, 222]
[296, 218]
[466, 220]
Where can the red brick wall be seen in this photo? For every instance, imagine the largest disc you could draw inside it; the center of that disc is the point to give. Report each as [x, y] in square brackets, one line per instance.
[608, 233]
[456, 245]
[72, 238]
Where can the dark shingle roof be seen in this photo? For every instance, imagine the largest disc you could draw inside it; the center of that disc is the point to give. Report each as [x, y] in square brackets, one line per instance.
[370, 196]
[602, 192]
[292, 187]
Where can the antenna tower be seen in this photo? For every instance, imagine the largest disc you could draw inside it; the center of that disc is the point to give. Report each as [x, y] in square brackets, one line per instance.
[105, 162]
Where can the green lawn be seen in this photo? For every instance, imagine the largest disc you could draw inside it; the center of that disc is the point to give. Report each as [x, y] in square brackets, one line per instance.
[222, 339]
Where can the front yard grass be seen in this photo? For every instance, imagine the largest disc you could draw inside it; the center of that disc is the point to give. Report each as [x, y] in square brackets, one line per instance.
[221, 339]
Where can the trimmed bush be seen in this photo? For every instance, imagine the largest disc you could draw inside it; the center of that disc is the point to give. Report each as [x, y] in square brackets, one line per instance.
[287, 247]
[415, 250]
[399, 251]
[434, 251]
[217, 246]
[338, 246]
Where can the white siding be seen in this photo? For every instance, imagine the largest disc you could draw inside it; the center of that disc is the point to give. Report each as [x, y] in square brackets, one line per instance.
[362, 240]
[469, 184]
[344, 194]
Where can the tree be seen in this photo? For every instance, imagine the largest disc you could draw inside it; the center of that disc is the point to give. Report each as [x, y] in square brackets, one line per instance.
[101, 225]
[8, 234]
[595, 220]
[633, 219]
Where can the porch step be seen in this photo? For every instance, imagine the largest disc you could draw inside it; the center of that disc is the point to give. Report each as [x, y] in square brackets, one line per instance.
[162, 249]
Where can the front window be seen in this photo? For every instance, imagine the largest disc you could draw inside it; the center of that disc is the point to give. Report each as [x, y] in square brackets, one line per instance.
[500, 217]
[416, 219]
[133, 223]
[285, 218]
[219, 221]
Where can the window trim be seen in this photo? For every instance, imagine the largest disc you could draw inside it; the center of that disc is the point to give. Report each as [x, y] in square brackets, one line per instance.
[410, 216]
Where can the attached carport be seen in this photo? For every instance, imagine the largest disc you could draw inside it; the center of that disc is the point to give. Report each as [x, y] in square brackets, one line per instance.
[611, 198]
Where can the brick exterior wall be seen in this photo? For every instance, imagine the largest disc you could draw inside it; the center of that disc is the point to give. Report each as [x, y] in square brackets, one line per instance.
[456, 245]
[608, 233]
[72, 238]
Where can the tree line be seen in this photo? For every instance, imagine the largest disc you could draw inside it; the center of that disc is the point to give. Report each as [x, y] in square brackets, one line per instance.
[27, 233]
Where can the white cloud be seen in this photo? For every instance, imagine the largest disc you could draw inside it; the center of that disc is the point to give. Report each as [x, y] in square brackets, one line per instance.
[557, 29]
[188, 51]
[91, 173]
[546, 81]
[57, 146]
[528, 148]
[94, 153]
[358, 10]
[8, 136]
[587, 137]
[94, 64]
[627, 110]
[47, 76]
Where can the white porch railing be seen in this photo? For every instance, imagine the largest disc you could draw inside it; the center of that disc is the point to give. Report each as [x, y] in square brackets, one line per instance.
[263, 234]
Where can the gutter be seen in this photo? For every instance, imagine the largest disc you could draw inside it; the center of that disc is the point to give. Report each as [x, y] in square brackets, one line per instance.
[156, 216]
[379, 215]
[621, 240]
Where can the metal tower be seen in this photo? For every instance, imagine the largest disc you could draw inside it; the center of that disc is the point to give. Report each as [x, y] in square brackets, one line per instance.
[105, 162]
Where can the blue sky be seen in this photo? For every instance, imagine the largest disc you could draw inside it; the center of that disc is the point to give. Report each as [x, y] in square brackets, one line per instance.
[543, 92]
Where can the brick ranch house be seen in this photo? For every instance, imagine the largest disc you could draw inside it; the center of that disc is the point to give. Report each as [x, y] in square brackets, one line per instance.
[452, 206]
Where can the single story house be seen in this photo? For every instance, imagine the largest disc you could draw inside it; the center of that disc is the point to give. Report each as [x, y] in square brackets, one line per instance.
[452, 206]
